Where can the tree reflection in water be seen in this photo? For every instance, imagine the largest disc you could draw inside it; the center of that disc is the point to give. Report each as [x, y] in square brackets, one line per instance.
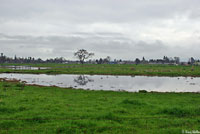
[82, 80]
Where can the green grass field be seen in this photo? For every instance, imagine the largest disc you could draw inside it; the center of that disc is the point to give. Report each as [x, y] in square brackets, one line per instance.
[34, 109]
[114, 69]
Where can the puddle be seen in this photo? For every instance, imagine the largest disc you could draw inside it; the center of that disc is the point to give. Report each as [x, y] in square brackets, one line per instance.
[109, 82]
[24, 67]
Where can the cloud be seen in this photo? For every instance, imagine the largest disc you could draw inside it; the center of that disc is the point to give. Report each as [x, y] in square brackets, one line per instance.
[102, 44]
[122, 29]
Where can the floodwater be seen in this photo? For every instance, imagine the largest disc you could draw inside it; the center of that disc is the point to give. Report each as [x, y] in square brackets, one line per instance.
[109, 82]
[24, 67]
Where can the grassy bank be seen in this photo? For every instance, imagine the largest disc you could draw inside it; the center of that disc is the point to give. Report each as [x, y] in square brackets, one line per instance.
[104, 69]
[33, 109]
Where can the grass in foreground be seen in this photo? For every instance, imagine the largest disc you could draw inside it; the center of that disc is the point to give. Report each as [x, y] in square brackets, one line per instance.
[34, 109]
[114, 69]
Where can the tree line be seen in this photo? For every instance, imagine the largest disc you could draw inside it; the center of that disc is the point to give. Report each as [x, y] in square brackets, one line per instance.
[5, 59]
[82, 55]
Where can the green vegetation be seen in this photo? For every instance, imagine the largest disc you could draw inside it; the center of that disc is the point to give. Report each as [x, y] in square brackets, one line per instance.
[106, 69]
[33, 109]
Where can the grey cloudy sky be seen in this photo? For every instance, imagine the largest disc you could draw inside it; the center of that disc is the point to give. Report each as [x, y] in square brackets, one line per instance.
[122, 29]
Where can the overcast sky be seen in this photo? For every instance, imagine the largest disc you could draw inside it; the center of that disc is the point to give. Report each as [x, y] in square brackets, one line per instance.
[121, 29]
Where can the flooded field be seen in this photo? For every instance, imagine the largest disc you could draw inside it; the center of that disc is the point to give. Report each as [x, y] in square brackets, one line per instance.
[114, 83]
[24, 67]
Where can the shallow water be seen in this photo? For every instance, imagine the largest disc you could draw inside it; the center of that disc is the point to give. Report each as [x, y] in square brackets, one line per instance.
[24, 67]
[115, 83]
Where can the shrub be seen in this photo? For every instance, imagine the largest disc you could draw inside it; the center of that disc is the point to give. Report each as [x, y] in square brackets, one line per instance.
[142, 91]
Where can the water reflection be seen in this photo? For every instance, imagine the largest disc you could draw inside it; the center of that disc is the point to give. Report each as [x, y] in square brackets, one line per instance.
[82, 80]
[108, 82]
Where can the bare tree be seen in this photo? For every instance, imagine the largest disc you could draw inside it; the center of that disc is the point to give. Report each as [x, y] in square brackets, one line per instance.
[83, 54]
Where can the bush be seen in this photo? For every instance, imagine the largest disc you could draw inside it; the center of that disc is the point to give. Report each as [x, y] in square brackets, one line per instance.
[142, 91]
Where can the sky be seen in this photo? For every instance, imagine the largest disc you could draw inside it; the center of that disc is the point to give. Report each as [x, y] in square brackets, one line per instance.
[121, 29]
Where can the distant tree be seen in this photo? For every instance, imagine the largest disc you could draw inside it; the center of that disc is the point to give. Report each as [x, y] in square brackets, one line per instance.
[83, 54]
[143, 59]
[166, 59]
[137, 61]
[108, 58]
[177, 60]
[100, 61]
[191, 60]
[97, 61]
